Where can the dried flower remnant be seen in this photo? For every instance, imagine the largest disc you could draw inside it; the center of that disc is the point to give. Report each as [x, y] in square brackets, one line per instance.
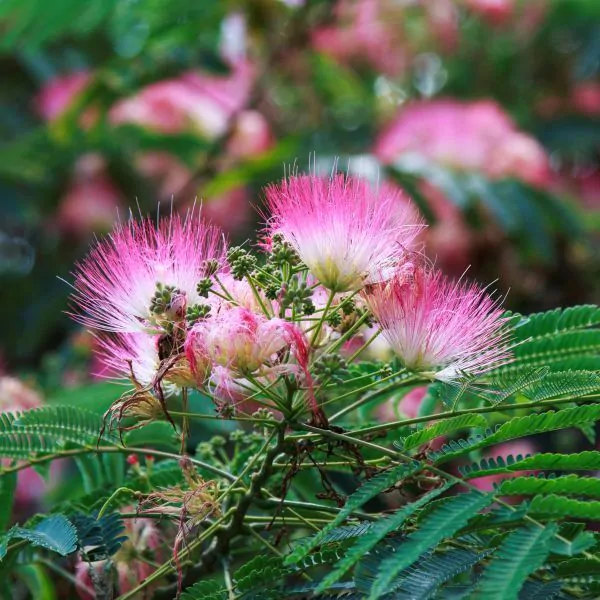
[190, 505]
[443, 329]
[344, 230]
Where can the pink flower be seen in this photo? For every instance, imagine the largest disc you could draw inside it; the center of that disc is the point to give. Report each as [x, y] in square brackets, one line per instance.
[442, 328]
[115, 285]
[585, 98]
[143, 539]
[246, 342]
[193, 101]
[471, 136]
[251, 135]
[92, 200]
[56, 97]
[344, 230]
[16, 396]
[231, 211]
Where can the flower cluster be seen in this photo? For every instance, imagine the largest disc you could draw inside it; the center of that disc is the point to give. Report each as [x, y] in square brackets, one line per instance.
[174, 308]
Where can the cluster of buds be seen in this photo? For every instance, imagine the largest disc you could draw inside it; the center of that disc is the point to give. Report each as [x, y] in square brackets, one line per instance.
[175, 308]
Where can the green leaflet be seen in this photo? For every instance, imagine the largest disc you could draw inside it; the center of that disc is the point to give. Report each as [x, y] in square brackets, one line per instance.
[381, 528]
[443, 428]
[564, 384]
[565, 508]
[579, 461]
[557, 321]
[441, 523]
[520, 427]
[579, 567]
[422, 580]
[521, 553]
[366, 492]
[8, 483]
[565, 485]
[67, 422]
[55, 533]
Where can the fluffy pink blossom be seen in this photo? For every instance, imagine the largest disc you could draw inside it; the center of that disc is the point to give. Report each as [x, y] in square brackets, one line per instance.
[442, 328]
[471, 136]
[58, 94]
[143, 538]
[92, 199]
[346, 231]
[192, 101]
[115, 284]
[246, 342]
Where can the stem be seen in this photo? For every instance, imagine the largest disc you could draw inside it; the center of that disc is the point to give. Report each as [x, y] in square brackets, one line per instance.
[319, 325]
[185, 424]
[365, 345]
[119, 450]
[448, 414]
[258, 298]
[370, 397]
[116, 493]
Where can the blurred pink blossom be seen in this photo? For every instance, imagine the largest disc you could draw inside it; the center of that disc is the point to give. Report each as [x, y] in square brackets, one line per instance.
[251, 135]
[585, 98]
[92, 200]
[17, 396]
[59, 93]
[472, 136]
[193, 101]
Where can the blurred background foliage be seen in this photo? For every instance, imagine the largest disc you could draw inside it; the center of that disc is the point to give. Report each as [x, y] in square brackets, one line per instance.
[487, 112]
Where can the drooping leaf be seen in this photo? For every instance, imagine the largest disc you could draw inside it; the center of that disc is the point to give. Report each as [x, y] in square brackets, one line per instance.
[366, 492]
[439, 524]
[521, 553]
[365, 543]
[55, 533]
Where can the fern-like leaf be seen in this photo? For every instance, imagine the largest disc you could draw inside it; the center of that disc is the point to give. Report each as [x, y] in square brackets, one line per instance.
[521, 553]
[67, 422]
[555, 321]
[379, 531]
[522, 426]
[567, 508]
[564, 384]
[99, 538]
[439, 524]
[210, 589]
[570, 485]
[367, 492]
[55, 533]
[443, 428]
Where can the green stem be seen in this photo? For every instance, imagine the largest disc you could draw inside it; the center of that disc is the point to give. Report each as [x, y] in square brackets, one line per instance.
[449, 414]
[258, 298]
[118, 450]
[321, 321]
[116, 493]
[364, 346]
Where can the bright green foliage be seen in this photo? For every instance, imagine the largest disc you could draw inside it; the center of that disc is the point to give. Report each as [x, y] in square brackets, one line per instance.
[570, 485]
[558, 506]
[522, 426]
[520, 554]
[441, 429]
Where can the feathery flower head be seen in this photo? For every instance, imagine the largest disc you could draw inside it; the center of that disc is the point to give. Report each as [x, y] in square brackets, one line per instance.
[443, 328]
[345, 231]
[141, 277]
[244, 341]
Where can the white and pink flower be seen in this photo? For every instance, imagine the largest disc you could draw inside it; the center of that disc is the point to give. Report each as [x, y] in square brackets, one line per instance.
[345, 231]
[444, 329]
[116, 283]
